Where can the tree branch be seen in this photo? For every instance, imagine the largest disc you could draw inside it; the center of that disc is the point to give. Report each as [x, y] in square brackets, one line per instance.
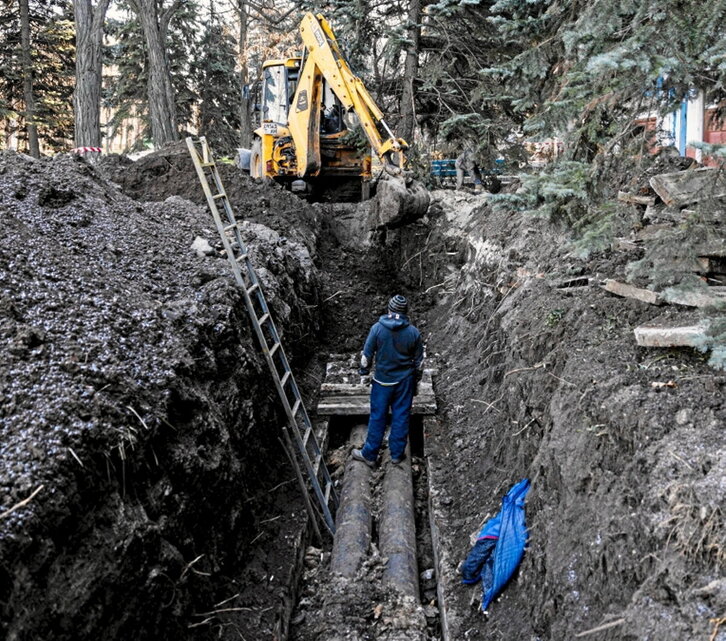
[99, 16]
[166, 17]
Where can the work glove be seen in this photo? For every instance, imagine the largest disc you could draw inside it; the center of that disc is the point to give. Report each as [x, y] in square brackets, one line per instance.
[364, 371]
[418, 375]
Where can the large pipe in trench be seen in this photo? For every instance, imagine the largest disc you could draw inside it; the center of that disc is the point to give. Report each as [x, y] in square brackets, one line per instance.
[397, 537]
[353, 519]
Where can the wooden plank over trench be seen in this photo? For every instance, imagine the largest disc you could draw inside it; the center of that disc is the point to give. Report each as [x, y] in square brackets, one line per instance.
[343, 394]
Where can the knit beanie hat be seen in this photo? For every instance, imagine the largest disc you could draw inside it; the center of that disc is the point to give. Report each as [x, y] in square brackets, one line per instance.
[398, 305]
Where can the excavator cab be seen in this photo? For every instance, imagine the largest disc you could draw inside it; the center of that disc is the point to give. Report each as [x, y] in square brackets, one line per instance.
[344, 170]
[307, 106]
[279, 81]
[279, 84]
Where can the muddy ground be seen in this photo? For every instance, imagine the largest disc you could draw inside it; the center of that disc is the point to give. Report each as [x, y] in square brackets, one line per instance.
[133, 393]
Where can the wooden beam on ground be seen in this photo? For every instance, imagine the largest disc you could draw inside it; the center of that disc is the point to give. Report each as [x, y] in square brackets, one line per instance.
[685, 187]
[683, 336]
[629, 291]
[634, 199]
[343, 393]
[625, 244]
[702, 297]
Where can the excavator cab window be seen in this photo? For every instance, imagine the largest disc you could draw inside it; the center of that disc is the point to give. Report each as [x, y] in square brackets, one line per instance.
[331, 121]
[275, 101]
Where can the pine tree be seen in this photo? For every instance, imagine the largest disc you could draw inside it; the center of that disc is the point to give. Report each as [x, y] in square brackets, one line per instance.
[218, 86]
[52, 60]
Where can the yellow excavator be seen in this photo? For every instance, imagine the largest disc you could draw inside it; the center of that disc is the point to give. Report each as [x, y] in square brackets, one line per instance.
[308, 107]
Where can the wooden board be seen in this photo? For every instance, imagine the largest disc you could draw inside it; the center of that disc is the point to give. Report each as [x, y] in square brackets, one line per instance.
[635, 199]
[685, 187]
[679, 336]
[343, 393]
[704, 297]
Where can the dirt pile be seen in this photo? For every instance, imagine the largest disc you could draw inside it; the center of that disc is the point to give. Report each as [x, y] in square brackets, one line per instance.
[133, 394]
[170, 172]
[624, 445]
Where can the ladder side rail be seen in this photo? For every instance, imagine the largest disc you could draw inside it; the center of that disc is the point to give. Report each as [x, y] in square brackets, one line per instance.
[205, 158]
[313, 437]
[236, 270]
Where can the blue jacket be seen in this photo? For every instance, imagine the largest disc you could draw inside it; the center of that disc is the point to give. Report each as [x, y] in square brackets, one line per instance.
[397, 346]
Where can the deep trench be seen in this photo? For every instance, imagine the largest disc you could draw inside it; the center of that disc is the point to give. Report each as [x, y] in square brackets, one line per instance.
[370, 270]
[197, 526]
[416, 580]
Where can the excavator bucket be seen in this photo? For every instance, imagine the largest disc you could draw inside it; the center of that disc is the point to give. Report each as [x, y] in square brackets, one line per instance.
[399, 200]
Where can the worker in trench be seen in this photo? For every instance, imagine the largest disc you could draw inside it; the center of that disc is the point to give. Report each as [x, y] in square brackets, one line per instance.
[397, 348]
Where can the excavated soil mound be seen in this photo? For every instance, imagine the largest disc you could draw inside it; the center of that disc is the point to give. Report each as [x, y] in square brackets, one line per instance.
[135, 412]
[170, 172]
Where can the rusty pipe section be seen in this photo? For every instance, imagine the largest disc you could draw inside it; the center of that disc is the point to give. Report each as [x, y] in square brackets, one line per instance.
[353, 520]
[397, 537]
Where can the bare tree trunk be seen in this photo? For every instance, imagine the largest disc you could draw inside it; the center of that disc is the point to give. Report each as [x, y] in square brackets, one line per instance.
[87, 95]
[410, 69]
[28, 96]
[245, 119]
[160, 93]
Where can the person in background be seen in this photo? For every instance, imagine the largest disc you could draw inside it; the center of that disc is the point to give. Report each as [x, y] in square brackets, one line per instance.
[398, 350]
[466, 165]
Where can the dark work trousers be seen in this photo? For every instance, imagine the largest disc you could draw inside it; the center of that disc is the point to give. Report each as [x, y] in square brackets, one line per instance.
[398, 398]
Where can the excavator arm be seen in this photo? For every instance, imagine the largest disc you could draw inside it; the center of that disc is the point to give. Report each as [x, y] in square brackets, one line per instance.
[323, 59]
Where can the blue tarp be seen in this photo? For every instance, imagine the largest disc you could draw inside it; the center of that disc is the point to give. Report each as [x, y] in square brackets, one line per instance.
[499, 547]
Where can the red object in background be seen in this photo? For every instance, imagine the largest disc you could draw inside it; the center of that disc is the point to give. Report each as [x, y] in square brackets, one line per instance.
[714, 133]
[650, 125]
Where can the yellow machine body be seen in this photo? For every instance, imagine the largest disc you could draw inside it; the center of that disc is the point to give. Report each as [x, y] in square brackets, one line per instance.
[306, 107]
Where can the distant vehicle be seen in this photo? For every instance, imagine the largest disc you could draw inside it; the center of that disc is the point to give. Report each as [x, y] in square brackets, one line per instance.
[308, 107]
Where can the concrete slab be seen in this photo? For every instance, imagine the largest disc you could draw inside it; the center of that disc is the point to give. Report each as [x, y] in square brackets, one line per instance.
[629, 291]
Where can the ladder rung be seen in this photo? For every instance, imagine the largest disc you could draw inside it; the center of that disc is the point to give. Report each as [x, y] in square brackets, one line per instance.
[285, 378]
[242, 257]
[328, 488]
[316, 463]
[230, 227]
[306, 436]
[207, 164]
[218, 196]
[253, 289]
[295, 409]
[274, 348]
[264, 318]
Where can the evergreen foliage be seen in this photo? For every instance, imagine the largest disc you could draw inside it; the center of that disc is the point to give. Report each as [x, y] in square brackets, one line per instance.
[125, 92]
[53, 50]
[218, 86]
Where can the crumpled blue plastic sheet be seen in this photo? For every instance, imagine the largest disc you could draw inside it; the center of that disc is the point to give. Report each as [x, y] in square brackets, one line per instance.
[499, 547]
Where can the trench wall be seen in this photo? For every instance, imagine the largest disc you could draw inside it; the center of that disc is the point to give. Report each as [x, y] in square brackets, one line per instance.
[547, 383]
